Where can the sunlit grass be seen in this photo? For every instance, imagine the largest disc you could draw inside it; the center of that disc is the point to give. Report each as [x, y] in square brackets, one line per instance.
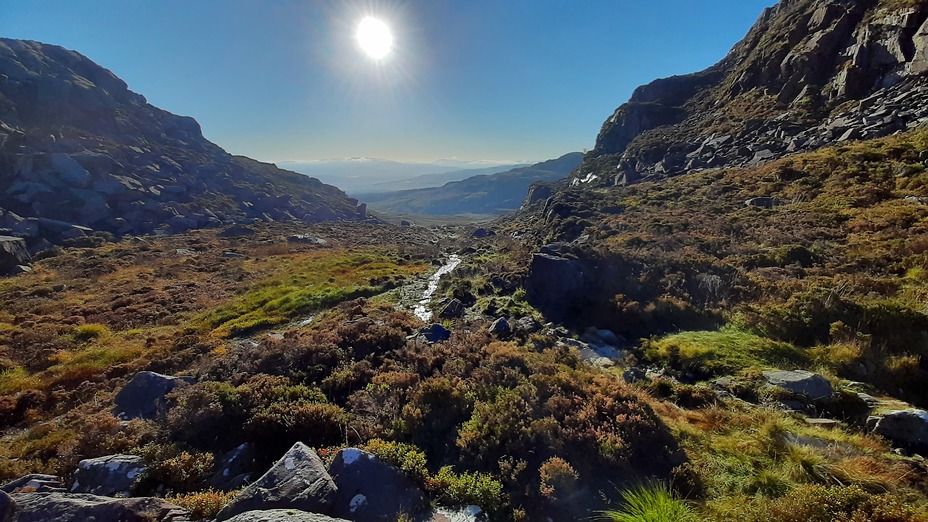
[724, 351]
[300, 284]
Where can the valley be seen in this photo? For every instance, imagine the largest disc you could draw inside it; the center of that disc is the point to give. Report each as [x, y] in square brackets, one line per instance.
[720, 312]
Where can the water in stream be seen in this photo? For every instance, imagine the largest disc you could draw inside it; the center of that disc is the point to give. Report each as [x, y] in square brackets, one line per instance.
[421, 310]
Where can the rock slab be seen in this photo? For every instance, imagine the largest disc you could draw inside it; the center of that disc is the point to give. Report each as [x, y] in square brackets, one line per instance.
[808, 384]
[109, 476]
[75, 507]
[297, 481]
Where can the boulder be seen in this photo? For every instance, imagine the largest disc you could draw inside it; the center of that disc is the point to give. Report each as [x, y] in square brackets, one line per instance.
[13, 253]
[526, 325]
[500, 328]
[455, 308]
[558, 286]
[370, 490]
[904, 428]
[143, 396]
[306, 239]
[435, 333]
[297, 481]
[283, 515]
[811, 385]
[232, 469]
[763, 202]
[75, 507]
[34, 482]
[109, 476]
[237, 231]
[7, 507]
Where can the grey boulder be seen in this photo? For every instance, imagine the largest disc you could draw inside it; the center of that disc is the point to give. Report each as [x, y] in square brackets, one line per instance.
[232, 470]
[13, 253]
[297, 481]
[7, 507]
[455, 308]
[283, 515]
[435, 333]
[500, 328]
[109, 476]
[801, 382]
[144, 395]
[372, 490]
[904, 428]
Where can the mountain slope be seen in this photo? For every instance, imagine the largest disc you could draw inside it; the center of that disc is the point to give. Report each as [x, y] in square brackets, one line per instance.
[809, 72]
[76, 145]
[485, 194]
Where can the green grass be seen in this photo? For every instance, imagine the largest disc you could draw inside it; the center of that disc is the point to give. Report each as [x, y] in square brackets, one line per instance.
[651, 503]
[724, 351]
[301, 284]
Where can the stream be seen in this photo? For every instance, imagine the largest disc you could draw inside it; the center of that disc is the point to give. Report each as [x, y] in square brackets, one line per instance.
[421, 310]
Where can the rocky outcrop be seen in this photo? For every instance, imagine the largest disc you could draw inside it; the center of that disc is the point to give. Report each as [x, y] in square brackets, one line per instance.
[232, 468]
[297, 481]
[370, 490]
[75, 507]
[77, 146]
[109, 476]
[143, 396]
[810, 72]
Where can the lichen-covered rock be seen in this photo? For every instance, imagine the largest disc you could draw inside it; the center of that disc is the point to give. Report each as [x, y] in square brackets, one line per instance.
[297, 481]
[232, 468]
[370, 490]
[109, 476]
[7, 507]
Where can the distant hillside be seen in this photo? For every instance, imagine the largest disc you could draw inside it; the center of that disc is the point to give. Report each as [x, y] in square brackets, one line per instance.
[361, 176]
[78, 147]
[486, 194]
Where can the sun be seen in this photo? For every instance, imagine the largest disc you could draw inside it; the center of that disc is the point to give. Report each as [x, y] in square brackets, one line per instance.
[375, 38]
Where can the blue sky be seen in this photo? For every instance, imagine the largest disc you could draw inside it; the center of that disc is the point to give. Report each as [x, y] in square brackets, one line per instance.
[472, 79]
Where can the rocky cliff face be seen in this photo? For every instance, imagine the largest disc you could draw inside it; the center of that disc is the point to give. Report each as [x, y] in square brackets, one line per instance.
[810, 72]
[78, 147]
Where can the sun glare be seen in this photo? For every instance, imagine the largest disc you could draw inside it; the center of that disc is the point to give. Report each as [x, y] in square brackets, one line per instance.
[375, 38]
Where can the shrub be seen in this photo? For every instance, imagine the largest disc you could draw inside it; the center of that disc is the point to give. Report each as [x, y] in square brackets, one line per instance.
[557, 478]
[406, 457]
[88, 332]
[651, 503]
[205, 504]
[459, 489]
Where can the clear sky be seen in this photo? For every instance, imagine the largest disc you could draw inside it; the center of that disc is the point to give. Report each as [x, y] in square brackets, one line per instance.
[470, 79]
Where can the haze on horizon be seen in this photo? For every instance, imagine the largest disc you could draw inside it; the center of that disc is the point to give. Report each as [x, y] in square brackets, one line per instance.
[282, 81]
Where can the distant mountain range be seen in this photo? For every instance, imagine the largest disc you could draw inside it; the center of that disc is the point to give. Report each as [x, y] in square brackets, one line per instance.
[492, 194]
[360, 176]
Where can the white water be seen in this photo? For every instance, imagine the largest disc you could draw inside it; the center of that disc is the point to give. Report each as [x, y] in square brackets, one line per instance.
[422, 309]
